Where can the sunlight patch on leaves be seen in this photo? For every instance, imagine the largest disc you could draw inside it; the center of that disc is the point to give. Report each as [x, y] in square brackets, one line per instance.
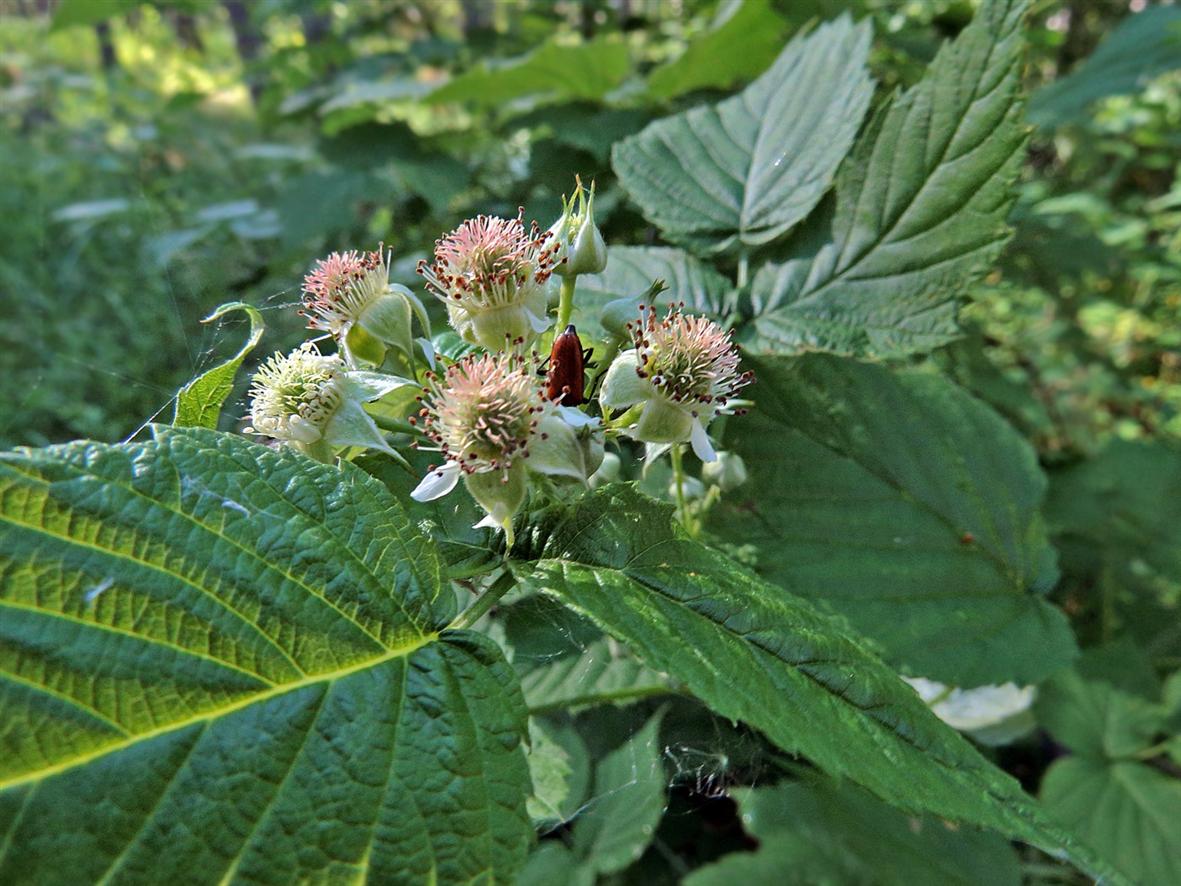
[195, 630]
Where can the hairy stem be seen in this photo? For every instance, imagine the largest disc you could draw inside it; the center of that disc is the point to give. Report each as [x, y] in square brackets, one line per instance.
[679, 483]
[565, 303]
[505, 583]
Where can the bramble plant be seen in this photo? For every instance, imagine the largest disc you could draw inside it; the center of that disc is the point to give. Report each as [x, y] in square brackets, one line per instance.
[704, 480]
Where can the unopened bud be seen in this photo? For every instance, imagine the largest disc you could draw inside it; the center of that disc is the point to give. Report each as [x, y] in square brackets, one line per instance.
[581, 249]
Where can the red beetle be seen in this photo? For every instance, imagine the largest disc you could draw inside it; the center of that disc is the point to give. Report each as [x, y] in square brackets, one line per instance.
[567, 369]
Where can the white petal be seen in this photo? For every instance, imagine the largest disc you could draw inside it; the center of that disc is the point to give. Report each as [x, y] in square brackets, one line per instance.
[538, 324]
[699, 440]
[576, 418]
[428, 349]
[489, 522]
[437, 483]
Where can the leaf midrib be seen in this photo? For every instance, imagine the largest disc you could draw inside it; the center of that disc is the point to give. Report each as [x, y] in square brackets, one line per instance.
[402, 650]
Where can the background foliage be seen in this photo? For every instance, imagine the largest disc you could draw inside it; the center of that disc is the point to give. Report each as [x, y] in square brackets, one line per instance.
[163, 158]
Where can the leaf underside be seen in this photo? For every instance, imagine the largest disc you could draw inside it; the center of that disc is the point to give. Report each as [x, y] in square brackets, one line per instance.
[920, 209]
[744, 171]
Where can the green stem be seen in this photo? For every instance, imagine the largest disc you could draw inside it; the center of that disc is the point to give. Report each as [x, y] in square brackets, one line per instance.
[743, 269]
[505, 583]
[679, 482]
[565, 303]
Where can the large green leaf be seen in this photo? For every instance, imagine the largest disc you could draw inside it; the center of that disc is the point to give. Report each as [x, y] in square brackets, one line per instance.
[746, 170]
[735, 50]
[554, 72]
[821, 831]
[754, 653]
[907, 506]
[920, 208]
[223, 662]
[1144, 46]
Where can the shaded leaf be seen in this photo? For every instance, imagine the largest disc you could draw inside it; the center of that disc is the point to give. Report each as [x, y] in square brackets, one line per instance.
[199, 403]
[807, 683]
[744, 171]
[907, 506]
[919, 211]
[554, 72]
[817, 830]
[739, 48]
[1144, 46]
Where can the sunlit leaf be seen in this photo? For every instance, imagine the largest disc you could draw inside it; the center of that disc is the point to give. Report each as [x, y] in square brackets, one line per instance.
[199, 403]
[220, 661]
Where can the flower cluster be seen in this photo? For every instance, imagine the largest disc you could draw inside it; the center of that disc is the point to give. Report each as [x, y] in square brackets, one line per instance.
[491, 274]
[682, 371]
[499, 416]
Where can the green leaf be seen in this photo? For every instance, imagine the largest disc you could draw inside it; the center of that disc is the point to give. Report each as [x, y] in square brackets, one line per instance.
[1095, 719]
[232, 653]
[744, 171]
[554, 72]
[199, 403]
[553, 863]
[71, 13]
[920, 208]
[1143, 47]
[1128, 811]
[806, 681]
[739, 48]
[907, 506]
[627, 803]
[564, 660]
[632, 269]
[820, 826]
[559, 765]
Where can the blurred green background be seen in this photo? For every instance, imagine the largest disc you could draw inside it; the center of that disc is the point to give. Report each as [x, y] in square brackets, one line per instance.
[161, 158]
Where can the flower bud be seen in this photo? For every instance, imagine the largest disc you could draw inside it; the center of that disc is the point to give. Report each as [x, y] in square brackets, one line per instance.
[727, 473]
[348, 295]
[682, 371]
[608, 471]
[581, 249]
[491, 274]
[310, 400]
[691, 488]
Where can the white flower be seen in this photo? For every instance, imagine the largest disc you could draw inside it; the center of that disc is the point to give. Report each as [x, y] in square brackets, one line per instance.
[990, 714]
[348, 295]
[684, 370]
[491, 274]
[490, 420]
[305, 398]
